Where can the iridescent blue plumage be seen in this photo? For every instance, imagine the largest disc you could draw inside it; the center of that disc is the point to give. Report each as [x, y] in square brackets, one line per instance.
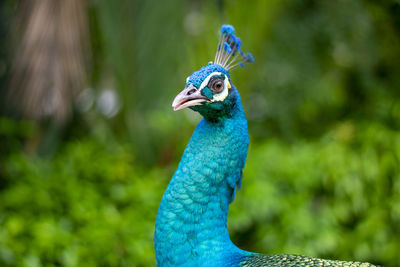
[197, 77]
[191, 225]
[192, 220]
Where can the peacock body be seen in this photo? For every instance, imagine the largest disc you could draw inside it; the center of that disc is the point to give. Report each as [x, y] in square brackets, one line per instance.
[191, 225]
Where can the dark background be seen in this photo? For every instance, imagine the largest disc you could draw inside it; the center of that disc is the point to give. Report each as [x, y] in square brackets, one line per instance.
[89, 141]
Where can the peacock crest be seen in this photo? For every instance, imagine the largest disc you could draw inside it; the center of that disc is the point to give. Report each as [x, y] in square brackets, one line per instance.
[229, 51]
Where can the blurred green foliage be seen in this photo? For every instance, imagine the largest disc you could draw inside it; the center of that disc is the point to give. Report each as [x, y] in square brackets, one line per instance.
[337, 197]
[91, 205]
[323, 104]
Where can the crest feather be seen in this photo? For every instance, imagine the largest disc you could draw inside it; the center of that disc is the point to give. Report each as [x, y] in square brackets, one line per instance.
[229, 51]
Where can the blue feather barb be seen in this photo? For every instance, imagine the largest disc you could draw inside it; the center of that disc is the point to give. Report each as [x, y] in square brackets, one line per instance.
[230, 48]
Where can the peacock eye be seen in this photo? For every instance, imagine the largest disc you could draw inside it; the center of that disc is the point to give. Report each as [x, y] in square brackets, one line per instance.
[216, 85]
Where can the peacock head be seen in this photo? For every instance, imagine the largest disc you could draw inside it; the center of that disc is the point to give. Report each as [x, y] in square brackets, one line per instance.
[209, 90]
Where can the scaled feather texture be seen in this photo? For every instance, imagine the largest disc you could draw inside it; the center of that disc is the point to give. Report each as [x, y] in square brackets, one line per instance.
[191, 225]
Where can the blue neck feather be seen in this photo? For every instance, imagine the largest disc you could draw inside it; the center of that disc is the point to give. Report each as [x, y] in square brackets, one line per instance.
[191, 226]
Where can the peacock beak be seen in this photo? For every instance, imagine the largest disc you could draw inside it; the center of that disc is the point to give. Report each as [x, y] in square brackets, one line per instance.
[190, 96]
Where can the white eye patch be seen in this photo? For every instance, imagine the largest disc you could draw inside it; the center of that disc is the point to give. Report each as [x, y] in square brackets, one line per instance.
[224, 93]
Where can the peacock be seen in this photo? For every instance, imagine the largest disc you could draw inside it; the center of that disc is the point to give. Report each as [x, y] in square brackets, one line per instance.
[191, 224]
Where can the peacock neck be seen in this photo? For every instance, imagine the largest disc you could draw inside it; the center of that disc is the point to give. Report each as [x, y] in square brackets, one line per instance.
[191, 226]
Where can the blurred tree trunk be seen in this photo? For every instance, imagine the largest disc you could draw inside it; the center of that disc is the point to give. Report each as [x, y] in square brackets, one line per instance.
[48, 69]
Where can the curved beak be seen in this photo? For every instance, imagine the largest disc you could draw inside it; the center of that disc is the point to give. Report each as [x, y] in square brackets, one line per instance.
[190, 96]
